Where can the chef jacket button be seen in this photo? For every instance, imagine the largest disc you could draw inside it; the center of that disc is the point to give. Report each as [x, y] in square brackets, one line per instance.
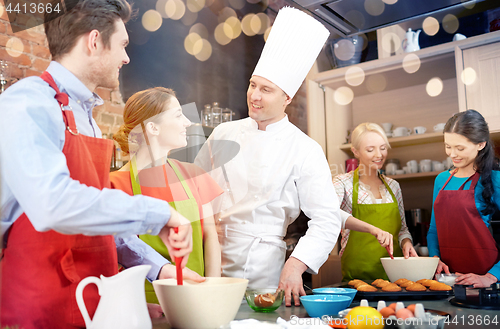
[78, 101]
[256, 197]
[149, 231]
[228, 190]
[91, 99]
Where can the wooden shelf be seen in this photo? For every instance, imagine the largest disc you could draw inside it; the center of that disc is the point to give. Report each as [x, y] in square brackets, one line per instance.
[417, 175]
[420, 139]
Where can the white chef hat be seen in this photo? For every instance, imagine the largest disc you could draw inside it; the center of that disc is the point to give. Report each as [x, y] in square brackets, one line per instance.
[293, 45]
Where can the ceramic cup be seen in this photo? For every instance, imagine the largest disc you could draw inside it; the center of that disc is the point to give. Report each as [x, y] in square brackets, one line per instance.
[412, 166]
[419, 130]
[458, 37]
[401, 131]
[425, 167]
[438, 167]
[439, 127]
[390, 168]
[406, 169]
[400, 172]
[387, 127]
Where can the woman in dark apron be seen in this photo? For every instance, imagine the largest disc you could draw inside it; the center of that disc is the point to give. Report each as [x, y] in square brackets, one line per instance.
[465, 198]
[374, 199]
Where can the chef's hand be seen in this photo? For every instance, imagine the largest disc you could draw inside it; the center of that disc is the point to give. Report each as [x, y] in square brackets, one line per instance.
[408, 250]
[168, 271]
[179, 244]
[383, 237]
[478, 281]
[291, 280]
[442, 267]
[155, 311]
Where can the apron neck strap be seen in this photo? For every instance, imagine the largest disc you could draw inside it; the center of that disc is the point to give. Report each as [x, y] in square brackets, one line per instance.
[355, 187]
[474, 179]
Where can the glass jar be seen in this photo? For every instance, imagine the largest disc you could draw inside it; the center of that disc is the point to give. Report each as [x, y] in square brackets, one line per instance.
[206, 117]
[227, 115]
[216, 114]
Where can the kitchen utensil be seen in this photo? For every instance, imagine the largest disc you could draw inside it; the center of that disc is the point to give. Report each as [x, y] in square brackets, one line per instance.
[335, 291]
[410, 42]
[123, 301]
[178, 261]
[477, 298]
[419, 130]
[439, 127]
[400, 132]
[251, 296]
[320, 305]
[413, 268]
[390, 168]
[389, 251]
[449, 279]
[387, 127]
[209, 304]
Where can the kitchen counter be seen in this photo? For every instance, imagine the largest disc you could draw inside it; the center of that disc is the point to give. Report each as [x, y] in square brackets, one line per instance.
[464, 317]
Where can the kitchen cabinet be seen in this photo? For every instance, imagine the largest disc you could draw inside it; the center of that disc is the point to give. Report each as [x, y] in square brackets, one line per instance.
[389, 93]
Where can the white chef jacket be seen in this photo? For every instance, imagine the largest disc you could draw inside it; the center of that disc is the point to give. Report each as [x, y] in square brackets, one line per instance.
[275, 174]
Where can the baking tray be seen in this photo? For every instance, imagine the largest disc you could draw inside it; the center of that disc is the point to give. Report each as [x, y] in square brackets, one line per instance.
[396, 295]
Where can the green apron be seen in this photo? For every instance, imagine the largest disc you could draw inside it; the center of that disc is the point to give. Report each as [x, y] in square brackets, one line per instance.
[361, 257]
[189, 209]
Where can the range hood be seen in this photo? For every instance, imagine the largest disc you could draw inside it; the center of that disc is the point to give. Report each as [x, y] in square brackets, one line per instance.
[352, 17]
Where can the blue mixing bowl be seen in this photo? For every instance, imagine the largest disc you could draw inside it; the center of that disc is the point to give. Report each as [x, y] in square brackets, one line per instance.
[336, 291]
[319, 305]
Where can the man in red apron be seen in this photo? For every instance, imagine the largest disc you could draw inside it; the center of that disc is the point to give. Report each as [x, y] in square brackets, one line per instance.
[44, 257]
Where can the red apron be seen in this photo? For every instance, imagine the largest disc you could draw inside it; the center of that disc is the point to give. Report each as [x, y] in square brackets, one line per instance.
[40, 270]
[465, 243]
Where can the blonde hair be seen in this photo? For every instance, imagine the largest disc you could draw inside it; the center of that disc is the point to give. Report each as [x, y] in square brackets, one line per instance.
[364, 128]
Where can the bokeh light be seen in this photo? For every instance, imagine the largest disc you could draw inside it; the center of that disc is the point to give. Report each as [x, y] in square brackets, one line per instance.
[411, 63]
[205, 51]
[195, 5]
[220, 36]
[253, 1]
[434, 87]
[344, 49]
[266, 34]
[430, 26]
[265, 22]
[175, 9]
[376, 83]
[355, 76]
[189, 18]
[374, 7]
[2, 9]
[189, 43]
[151, 20]
[450, 23]
[246, 25]
[391, 42]
[356, 18]
[468, 4]
[468, 76]
[343, 95]
[14, 47]
[226, 13]
[237, 4]
[199, 29]
[160, 7]
[232, 27]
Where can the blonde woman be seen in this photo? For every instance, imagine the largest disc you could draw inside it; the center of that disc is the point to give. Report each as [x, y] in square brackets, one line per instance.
[374, 199]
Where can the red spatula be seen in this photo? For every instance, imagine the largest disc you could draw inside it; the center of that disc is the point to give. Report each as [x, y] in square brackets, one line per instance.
[178, 261]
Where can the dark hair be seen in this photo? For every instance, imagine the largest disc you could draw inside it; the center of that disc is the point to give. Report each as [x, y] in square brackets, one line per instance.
[141, 107]
[472, 126]
[81, 17]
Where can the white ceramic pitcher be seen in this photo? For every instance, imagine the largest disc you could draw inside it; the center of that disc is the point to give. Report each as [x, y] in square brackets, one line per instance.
[410, 43]
[123, 300]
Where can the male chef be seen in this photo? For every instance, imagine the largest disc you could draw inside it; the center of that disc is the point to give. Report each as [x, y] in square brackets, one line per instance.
[59, 217]
[277, 171]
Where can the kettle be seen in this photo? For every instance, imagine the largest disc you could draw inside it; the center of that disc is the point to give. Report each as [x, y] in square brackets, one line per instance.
[410, 42]
[123, 300]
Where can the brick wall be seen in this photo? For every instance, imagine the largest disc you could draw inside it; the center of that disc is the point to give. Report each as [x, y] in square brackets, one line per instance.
[27, 54]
